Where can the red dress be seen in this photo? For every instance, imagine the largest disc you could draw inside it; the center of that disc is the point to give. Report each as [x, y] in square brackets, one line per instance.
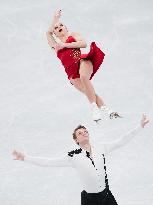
[70, 58]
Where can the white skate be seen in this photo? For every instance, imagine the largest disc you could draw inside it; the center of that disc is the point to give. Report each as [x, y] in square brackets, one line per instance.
[114, 115]
[96, 114]
[109, 112]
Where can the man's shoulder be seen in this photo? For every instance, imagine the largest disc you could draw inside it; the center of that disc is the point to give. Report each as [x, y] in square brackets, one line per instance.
[98, 148]
[74, 151]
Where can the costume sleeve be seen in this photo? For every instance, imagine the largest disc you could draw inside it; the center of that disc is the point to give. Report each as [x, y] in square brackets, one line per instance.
[63, 161]
[122, 141]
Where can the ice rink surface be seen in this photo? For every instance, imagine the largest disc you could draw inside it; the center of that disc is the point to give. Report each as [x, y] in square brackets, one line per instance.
[39, 108]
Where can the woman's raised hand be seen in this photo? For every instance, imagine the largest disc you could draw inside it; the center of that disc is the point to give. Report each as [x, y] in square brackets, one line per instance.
[57, 14]
[18, 155]
[56, 17]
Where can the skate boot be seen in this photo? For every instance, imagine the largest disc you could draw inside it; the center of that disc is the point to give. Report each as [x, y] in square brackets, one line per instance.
[114, 115]
[96, 115]
[109, 112]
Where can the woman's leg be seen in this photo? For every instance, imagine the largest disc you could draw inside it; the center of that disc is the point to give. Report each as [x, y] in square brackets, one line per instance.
[96, 115]
[85, 72]
[84, 85]
[86, 69]
[99, 101]
[79, 86]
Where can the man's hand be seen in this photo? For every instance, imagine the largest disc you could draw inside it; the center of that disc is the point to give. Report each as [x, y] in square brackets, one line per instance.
[144, 121]
[18, 155]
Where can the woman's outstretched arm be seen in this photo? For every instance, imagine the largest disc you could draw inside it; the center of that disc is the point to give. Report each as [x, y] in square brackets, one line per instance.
[63, 161]
[51, 41]
[80, 42]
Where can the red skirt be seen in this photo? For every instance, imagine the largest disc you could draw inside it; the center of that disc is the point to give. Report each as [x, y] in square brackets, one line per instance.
[72, 65]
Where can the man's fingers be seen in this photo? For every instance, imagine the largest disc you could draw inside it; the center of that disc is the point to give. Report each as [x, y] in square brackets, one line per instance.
[144, 116]
[14, 152]
[147, 121]
[16, 155]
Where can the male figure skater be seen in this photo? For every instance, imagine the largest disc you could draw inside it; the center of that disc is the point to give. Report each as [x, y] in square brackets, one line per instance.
[89, 162]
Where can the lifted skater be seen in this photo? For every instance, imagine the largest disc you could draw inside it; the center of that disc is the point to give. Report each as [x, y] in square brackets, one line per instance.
[89, 162]
[80, 68]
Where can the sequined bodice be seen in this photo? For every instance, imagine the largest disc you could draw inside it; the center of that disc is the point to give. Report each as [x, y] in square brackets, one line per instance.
[68, 56]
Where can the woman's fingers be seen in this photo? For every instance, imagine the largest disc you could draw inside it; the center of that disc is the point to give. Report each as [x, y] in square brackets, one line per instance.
[58, 46]
[57, 13]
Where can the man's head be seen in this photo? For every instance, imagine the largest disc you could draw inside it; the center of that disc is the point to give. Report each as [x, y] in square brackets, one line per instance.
[81, 135]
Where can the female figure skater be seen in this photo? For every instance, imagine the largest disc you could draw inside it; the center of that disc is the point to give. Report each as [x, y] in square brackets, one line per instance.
[89, 162]
[80, 68]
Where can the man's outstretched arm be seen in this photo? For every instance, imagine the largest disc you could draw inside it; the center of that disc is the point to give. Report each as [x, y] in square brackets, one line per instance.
[122, 141]
[63, 161]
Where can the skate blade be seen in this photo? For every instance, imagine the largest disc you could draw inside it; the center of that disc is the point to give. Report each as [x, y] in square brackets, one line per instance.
[114, 116]
[97, 121]
[119, 116]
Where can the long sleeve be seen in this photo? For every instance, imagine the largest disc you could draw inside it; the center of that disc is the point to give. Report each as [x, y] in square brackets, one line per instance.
[63, 161]
[122, 141]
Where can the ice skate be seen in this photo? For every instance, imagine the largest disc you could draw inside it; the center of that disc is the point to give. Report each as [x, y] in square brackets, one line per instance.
[96, 114]
[114, 115]
[109, 112]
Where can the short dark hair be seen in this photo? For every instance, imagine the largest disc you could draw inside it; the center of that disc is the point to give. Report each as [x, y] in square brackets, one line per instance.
[77, 128]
